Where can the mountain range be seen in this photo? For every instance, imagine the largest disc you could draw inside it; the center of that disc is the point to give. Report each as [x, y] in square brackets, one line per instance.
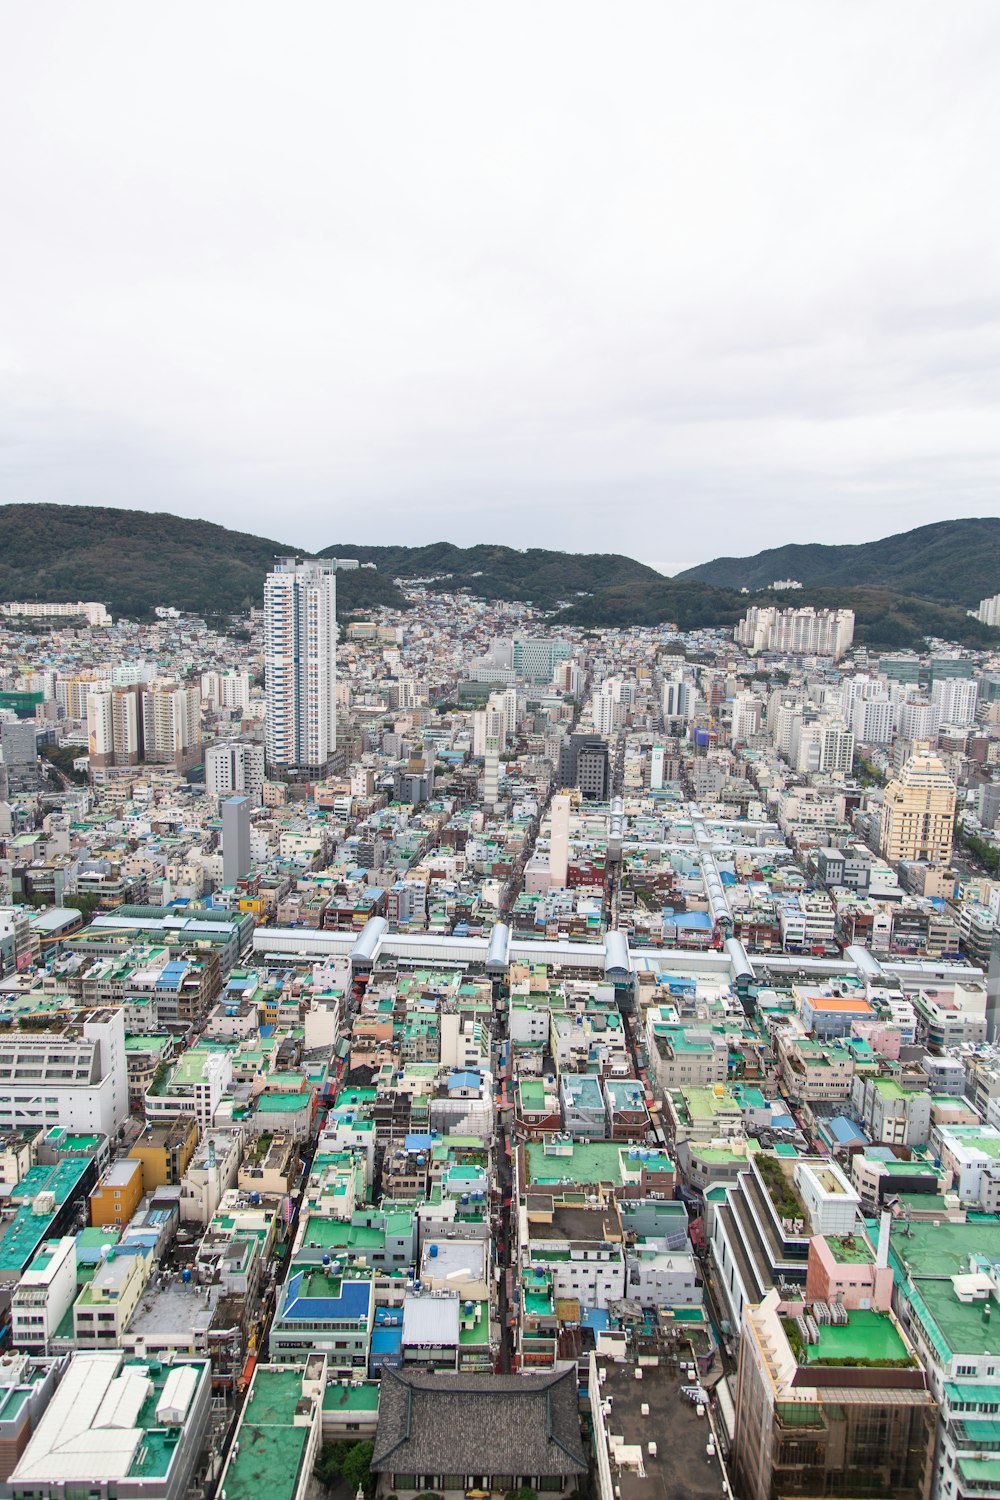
[901, 588]
[957, 562]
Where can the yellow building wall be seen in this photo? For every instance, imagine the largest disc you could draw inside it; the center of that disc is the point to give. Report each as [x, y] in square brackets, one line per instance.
[116, 1205]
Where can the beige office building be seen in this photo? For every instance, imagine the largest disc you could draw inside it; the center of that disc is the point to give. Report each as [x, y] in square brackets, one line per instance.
[918, 812]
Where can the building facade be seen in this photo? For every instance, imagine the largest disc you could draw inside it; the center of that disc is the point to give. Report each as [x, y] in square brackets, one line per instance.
[300, 663]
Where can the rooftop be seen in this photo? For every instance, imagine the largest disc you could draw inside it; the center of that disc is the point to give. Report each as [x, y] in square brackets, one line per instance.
[944, 1249]
[680, 1469]
[864, 1338]
[485, 1424]
[849, 1249]
[103, 1421]
[271, 1447]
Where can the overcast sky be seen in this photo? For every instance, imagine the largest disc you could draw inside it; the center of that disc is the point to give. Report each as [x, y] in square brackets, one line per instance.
[670, 279]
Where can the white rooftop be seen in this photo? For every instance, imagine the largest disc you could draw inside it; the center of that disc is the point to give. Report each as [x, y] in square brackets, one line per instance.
[88, 1430]
[431, 1318]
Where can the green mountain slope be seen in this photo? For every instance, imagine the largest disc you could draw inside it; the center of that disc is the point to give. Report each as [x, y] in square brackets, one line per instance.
[885, 619]
[133, 560]
[957, 562]
[494, 572]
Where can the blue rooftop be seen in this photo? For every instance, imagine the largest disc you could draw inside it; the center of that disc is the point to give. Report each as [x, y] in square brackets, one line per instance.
[387, 1340]
[693, 921]
[844, 1131]
[171, 974]
[316, 1296]
[595, 1318]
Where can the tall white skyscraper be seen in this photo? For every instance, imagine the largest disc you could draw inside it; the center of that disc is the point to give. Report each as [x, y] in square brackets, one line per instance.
[300, 663]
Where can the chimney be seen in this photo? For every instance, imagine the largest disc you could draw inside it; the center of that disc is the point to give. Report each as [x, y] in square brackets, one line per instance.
[882, 1255]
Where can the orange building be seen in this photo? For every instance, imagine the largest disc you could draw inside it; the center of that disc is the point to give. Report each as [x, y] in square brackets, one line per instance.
[117, 1196]
[164, 1149]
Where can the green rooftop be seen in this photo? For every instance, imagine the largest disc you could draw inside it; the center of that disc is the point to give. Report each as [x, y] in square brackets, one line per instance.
[589, 1162]
[479, 1330]
[150, 1042]
[866, 1336]
[26, 1230]
[849, 1250]
[962, 1325]
[282, 1104]
[271, 1447]
[944, 1249]
[344, 1395]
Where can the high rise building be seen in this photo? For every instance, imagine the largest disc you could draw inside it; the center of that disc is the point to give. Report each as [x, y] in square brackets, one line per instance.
[115, 727]
[818, 1414]
[678, 698]
[746, 717]
[510, 702]
[606, 712]
[158, 723]
[569, 678]
[559, 841]
[797, 632]
[300, 663]
[72, 694]
[534, 658]
[823, 744]
[489, 730]
[235, 839]
[918, 812]
[171, 728]
[491, 778]
[584, 763]
[873, 719]
[235, 766]
[953, 700]
[227, 689]
[989, 610]
[917, 720]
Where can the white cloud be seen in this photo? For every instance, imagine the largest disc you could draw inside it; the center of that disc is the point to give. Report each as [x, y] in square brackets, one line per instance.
[668, 279]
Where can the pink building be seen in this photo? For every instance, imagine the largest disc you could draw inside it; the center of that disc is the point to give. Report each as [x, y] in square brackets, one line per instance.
[842, 1268]
[881, 1036]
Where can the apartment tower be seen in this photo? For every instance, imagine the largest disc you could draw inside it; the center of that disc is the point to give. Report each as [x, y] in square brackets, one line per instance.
[300, 664]
[918, 812]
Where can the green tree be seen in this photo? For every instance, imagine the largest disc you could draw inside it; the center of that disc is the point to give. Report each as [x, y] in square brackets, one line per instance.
[87, 903]
[356, 1469]
[329, 1465]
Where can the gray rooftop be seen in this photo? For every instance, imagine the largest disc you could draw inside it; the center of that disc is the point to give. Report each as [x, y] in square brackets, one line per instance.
[479, 1424]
